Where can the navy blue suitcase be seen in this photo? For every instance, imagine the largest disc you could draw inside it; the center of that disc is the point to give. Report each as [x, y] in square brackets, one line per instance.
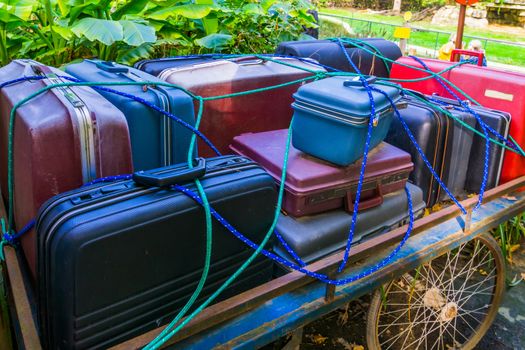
[316, 236]
[329, 53]
[156, 140]
[445, 143]
[118, 259]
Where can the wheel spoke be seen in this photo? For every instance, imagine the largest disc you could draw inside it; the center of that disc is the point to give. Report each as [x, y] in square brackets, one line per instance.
[443, 304]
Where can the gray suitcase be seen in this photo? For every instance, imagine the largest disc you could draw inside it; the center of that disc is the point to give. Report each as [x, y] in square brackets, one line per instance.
[314, 237]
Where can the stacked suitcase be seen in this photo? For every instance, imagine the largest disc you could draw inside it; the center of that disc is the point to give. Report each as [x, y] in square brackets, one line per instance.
[328, 133]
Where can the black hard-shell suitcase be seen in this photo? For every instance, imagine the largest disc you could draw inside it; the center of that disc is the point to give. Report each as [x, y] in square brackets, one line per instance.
[497, 120]
[313, 237]
[157, 65]
[329, 53]
[118, 259]
[445, 143]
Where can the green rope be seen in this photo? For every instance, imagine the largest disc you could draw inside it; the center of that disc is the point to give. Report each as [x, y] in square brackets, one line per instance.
[209, 229]
[155, 344]
[318, 75]
[424, 71]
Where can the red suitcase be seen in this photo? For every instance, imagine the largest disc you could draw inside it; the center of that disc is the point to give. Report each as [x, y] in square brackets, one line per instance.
[63, 138]
[226, 118]
[314, 186]
[494, 88]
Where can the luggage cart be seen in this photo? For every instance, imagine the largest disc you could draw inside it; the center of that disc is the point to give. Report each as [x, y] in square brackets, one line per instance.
[449, 273]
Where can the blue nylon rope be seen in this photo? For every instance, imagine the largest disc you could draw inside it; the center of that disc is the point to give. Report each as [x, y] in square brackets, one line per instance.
[12, 238]
[489, 128]
[483, 127]
[321, 277]
[19, 80]
[289, 249]
[371, 121]
[420, 151]
[297, 267]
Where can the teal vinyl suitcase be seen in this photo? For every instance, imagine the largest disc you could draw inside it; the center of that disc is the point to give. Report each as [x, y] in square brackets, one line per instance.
[331, 118]
[156, 140]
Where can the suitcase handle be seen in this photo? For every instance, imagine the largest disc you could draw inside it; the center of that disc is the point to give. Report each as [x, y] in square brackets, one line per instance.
[110, 67]
[418, 94]
[456, 52]
[169, 176]
[248, 60]
[373, 202]
[356, 82]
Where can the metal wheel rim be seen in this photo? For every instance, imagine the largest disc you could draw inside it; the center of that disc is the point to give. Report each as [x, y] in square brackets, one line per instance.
[449, 305]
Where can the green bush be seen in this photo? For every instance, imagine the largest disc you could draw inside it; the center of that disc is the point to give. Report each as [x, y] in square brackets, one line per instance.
[58, 31]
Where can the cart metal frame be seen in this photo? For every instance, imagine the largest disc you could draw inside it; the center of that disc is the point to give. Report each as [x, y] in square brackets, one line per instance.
[265, 313]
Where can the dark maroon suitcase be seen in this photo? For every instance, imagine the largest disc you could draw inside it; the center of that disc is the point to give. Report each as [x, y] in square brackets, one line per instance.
[63, 138]
[224, 119]
[314, 186]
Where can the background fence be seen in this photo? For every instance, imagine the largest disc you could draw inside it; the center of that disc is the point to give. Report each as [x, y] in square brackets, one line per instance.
[425, 42]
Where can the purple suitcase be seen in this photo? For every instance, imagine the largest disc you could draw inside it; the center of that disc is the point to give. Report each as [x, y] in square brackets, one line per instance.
[314, 186]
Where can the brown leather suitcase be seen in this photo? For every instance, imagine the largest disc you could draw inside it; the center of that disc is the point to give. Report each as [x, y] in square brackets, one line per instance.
[63, 138]
[315, 186]
[226, 118]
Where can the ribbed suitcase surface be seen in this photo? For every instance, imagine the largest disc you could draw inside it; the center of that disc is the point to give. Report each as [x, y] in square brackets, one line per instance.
[329, 53]
[313, 237]
[62, 139]
[118, 259]
[226, 118]
[156, 140]
[313, 186]
[497, 120]
[445, 143]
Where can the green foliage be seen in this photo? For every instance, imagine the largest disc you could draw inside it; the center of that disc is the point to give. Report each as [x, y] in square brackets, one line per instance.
[510, 234]
[56, 32]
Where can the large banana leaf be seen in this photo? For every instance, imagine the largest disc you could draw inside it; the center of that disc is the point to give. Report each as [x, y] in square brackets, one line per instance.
[136, 34]
[216, 42]
[20, 9]
[94, 29]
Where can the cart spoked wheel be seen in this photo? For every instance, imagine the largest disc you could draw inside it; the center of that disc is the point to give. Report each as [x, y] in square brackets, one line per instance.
[447, 303]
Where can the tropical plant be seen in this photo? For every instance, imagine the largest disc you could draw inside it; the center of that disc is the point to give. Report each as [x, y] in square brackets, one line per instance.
[59, 31]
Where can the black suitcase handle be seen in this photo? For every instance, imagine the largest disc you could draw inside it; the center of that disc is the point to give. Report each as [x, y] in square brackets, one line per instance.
[169, 176]
[356, 82]
[110, 67]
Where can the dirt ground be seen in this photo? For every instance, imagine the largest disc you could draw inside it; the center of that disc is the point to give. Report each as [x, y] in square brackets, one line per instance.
[345, 329]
